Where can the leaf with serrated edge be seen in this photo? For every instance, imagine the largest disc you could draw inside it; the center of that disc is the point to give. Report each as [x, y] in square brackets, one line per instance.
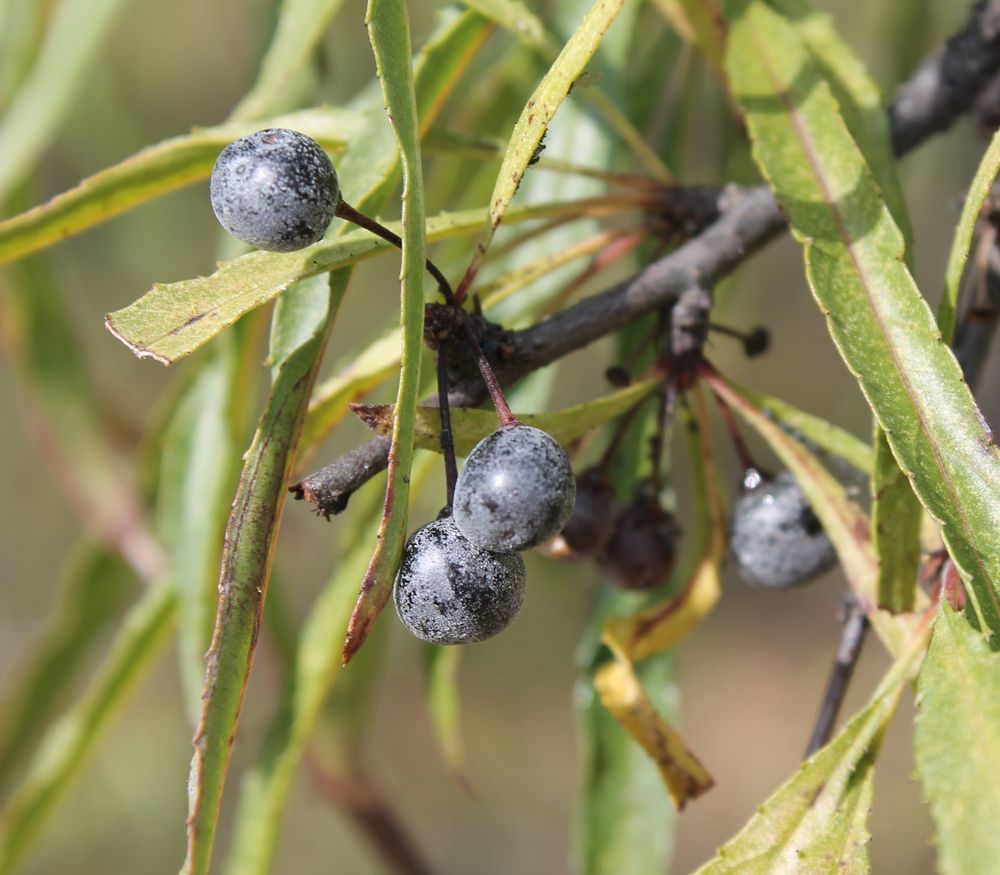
[155, 171]
[896, 513]
[957, 744]
[814, 824]
[470, 426]
[882, 327]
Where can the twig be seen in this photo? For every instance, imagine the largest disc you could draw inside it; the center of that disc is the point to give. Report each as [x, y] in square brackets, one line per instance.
[851, 641]
[948, 83]
[943, 87]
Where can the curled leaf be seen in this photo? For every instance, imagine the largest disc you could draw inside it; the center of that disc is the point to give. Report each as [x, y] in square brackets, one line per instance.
[622, 694]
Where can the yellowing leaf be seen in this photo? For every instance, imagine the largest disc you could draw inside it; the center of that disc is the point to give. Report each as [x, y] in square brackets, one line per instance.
[684, 776]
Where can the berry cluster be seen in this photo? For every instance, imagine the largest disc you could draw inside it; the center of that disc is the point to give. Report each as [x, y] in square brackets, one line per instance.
[461, 578]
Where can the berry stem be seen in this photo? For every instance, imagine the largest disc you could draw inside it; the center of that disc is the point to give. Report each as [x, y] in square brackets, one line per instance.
[491, 381]
[851, 641]
[742, 450]
[447, 442]
[349, 214]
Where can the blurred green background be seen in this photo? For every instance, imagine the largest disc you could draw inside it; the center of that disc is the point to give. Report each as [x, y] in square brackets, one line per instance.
[751, 677]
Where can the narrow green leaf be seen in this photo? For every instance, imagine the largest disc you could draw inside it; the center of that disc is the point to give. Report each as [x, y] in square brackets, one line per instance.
[316, 671]
[470, 426]
[625, 822]
[67, 742]
[155, 171]
[958, 744]
[265, 787]
[389, 31]
[441, 666]
[301, 26]
[982, 183]
[246, 562]
[72, 43]
[174, 319]
[536, 116]
[815, 823]
[515, 16]
[896, 516]
[93, 591]
[198, 464]
[881, 325]
[896, 512]
[860, 100]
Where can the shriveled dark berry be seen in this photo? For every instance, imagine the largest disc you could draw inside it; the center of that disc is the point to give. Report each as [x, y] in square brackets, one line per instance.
[643, 545]
[275, 189]
[515, 490]
[592, 521]
[448, 591]
[775, 537]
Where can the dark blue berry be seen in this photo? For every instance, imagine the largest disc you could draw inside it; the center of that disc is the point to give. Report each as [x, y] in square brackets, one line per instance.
[515, 490]
[451, 592]
[775, 537]
[275, 189]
